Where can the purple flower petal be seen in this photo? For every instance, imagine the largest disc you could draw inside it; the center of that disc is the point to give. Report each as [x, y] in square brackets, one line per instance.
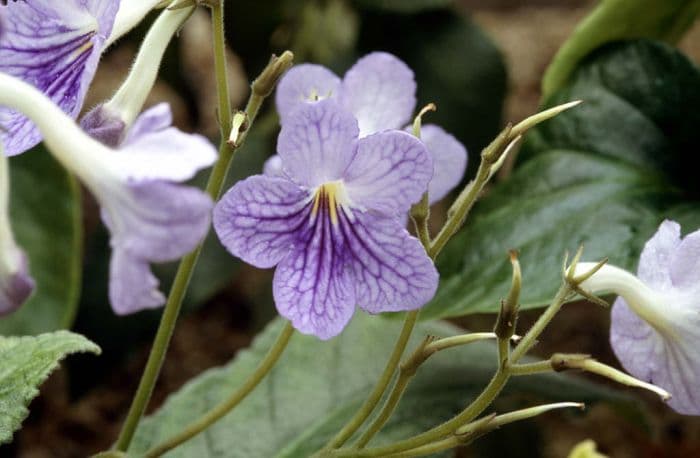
[150, 221]
[685, 264]
[317, 143]
[390, 172]
[332, 216]
[155, 119]
[304, 83]
[380, 91]
[15, 287]
[671, 362]
[54, 46]
[154, 151]
[313, 286]
[663, 350]
[391, 269]
[449, 159]
[273, 166]
[132, 285]
[655, 259]
[257, 220]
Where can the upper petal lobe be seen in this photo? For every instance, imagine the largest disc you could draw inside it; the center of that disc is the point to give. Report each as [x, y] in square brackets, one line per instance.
[655, 260]
[449, 160]
[380, 91]
[302, 84]
[390, 172]
[317, 143]
[685, 264]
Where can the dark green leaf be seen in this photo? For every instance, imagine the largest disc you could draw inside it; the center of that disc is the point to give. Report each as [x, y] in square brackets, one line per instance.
[614, 20]
[603, 174]
[25, 362]
[45, 211]
[317, 385]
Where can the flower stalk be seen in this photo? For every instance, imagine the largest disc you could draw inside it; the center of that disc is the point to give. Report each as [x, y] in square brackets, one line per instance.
[492, 158]
[408, 369]
[128, 101]
[224, 407]
[187, 264]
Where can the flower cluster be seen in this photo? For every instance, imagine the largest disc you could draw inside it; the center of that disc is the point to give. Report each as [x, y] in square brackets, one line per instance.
[48, 56]
[330, 208]
[332, 222]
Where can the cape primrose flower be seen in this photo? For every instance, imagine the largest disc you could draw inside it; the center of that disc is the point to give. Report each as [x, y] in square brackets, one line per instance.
[379, 90]
[331, 223]
[151, 219]
[55, 46]
[15, 283]
[655, 323]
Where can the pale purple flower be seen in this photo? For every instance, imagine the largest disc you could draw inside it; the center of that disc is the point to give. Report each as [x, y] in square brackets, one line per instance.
[150, 217]
[331, 224]
[15, 283]
[655, 323]
[172, 218]
[56, 46]
[380, 92]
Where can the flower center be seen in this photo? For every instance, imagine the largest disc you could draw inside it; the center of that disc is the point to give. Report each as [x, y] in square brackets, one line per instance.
[315, 96]
[329, 197]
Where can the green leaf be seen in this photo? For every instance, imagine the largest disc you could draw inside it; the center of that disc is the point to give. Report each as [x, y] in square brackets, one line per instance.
[317, 385]
[25, 362]
[604, 174]
[45, 211]
[614, 20]
[404, 6]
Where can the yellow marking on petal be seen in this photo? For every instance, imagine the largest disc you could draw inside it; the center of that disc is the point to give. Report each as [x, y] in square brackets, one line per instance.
[331, 195]
[84, 48]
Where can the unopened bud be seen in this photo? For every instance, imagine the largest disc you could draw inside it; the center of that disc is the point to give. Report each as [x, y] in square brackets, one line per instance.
[508, 316]
[266, 82]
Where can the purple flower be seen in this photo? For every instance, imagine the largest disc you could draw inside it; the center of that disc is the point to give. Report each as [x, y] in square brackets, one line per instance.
[15, 283]
[170, 219]
[150, 217]
[379, 90]
[55, 46]
[331, 224]
[655, 324]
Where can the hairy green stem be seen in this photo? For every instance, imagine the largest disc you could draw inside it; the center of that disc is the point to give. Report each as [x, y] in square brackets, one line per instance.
[224, 407]
[406, 374]
[531, 368]
[530, 338]
[187, 264]
[486, 397]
